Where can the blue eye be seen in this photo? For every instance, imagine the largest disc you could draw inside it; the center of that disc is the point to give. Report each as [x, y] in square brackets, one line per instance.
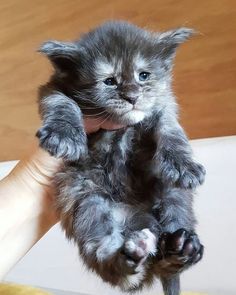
[143, 76]
[110, 81]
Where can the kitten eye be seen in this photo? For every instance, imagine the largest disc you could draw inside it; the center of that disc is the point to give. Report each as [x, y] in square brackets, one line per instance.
[143, 76]
[110, 81]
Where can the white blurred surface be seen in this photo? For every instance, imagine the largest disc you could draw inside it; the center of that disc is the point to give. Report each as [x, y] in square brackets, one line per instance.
[54, 263]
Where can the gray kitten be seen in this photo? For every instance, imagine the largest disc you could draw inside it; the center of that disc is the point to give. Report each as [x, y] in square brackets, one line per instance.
[125, 196]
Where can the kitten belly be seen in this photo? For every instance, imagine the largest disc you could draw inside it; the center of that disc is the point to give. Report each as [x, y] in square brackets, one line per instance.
[123, 164]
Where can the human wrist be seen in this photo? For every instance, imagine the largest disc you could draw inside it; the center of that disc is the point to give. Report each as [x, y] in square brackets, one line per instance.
[19, 206]
[24, 220]
[29, 188]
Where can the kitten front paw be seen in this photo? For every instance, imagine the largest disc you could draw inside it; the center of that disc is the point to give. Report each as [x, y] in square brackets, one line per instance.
[178, 251]
[63, 142]
[180, 171]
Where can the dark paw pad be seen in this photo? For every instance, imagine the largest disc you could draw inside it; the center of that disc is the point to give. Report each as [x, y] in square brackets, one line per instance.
[180, 249]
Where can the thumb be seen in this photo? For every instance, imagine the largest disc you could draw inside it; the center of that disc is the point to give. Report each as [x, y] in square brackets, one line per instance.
[36, 168]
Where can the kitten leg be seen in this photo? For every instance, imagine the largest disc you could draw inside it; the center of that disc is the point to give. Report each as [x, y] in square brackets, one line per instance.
[177, 252]
[171, 285]
[120, 258]
[173, 158]
[62, 133]
[179, 247]
[91, 221]
[95, 230]
[140, 246]
[138, 251]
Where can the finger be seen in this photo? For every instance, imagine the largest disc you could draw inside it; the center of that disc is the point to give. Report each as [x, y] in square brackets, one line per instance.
[109, 125]
[94, 124]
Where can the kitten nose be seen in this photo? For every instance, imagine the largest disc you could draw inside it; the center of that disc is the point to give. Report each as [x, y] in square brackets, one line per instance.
[131, 99]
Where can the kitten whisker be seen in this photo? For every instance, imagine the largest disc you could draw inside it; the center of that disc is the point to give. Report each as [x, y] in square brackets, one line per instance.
[106, 118]
[96, 115]
[90, 108]
[81, 98]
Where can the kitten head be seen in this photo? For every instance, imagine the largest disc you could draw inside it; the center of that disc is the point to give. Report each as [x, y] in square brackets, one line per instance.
[119, 68]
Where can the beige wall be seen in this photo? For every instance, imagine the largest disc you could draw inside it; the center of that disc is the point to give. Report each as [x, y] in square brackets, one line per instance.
[205, 72]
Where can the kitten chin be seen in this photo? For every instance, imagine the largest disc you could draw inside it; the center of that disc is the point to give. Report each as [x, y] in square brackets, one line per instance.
[132, 117]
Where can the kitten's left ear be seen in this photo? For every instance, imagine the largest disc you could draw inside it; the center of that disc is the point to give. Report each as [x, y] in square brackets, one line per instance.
[63, 55]
[170, 40]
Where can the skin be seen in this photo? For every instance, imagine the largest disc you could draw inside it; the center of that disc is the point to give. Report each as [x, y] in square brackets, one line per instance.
[26, 201]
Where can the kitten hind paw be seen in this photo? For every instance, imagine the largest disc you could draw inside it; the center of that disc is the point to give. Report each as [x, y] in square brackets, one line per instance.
[137, 249]
[139, 246]
[179, 250]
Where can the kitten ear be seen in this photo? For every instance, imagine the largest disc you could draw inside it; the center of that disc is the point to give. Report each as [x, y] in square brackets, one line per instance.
[176, 36]
[63, 55]
[170, 40]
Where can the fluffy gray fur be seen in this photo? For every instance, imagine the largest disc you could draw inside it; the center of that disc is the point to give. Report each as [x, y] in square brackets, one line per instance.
[125, 196]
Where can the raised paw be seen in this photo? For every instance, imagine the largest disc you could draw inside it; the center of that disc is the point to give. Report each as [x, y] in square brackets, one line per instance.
[180, 171]
[63, 142]
[139, 246]
[179, 250]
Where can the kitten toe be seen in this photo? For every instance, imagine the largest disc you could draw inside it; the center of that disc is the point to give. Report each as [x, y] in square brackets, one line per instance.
[180, 171]
[66, 143]
[193, 176]
[173, 242]
[140, 245]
